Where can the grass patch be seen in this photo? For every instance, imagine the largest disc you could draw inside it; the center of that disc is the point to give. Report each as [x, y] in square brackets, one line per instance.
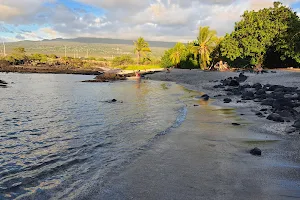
[139, 67]
[164, 86]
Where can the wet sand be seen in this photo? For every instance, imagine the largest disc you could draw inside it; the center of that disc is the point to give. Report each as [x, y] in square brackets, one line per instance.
[207, 157]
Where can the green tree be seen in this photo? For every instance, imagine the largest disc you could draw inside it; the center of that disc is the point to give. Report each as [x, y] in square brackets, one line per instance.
[259, 31]
[165, 59]
[178, 54]
[206, 42]
[141, 48]
[18, 56]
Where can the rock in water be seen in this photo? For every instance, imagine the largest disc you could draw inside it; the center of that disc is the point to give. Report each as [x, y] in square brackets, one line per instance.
[256, 151]
[3, 82]
[205, 97]
[235, 124]
[227, 100]
[112, 101]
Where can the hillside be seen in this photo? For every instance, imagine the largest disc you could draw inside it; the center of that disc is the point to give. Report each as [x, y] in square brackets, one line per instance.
[111, 41]
[83, 47]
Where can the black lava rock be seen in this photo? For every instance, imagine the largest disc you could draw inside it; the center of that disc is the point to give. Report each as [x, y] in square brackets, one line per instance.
[275, 117]
[257, 86]
[259, 114]
[227, 100]
[234, 83]
[3, 82]
[205, 97]
[267, 102]
[235, 124]
[297, 124]
[260, 92]
[242, 77]
[256, 151]
[248, 95]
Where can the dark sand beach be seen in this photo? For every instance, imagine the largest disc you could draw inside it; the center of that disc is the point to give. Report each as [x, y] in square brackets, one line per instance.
[207, 157]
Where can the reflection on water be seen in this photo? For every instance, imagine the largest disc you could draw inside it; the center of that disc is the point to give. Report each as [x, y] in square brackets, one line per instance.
[57, 132]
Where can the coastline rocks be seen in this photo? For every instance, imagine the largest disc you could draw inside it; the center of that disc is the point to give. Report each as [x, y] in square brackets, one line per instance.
[256, 152]
[248, 95]
[283, 102]
[112, 101]
[275, 117]
[259, 114]
[297, 124]
[107, 77]
[205, 97]
[3, 83]
[234, 83]
[242, 77]
[227, 100]
[235, 124]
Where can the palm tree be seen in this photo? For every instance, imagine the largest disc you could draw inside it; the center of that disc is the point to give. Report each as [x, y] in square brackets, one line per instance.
[206, 42]
[177, 53]
[141, 47]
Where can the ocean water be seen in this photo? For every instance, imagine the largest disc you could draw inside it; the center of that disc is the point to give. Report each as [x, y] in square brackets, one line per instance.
[58, 134]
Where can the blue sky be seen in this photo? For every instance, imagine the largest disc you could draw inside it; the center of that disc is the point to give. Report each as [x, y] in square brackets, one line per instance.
[165, 20]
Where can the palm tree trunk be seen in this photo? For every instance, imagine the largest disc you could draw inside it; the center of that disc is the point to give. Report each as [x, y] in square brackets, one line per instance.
[139, 57]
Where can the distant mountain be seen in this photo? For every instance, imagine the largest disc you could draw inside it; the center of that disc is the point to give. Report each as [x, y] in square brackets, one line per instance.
[111, 41]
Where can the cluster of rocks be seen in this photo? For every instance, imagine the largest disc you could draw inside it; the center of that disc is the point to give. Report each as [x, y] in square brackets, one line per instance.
[3, 83]
[282, 102]
[107, 77]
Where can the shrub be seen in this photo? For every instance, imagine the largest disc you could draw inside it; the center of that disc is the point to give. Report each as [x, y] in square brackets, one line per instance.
[165, 60]
[189, 64]
[122, 60]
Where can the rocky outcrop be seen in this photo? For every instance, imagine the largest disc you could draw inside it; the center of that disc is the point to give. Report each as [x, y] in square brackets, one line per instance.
[3, 83]
[282, 102]
[107, 77]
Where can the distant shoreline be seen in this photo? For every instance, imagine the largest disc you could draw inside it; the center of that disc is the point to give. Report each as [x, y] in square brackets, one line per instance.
[49, 70]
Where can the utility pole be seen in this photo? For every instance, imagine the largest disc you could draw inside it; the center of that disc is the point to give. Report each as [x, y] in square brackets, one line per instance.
[65, 51]
[4, 50]
[87, 53]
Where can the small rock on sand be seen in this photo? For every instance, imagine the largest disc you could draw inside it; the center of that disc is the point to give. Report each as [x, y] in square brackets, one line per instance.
[235, 124]
[297, 124]
[275, 117]
[227, 100]
[256, 151]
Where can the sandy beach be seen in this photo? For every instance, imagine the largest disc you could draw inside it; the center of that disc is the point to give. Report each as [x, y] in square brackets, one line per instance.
[207, 157]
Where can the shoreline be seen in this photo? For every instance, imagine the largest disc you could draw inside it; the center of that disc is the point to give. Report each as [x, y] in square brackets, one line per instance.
[207, 157]
[49, 70]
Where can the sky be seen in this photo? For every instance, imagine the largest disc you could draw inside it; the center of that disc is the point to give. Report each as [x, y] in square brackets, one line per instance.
[160, 20]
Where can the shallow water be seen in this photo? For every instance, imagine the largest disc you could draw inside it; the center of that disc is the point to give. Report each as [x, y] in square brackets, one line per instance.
[58, 133]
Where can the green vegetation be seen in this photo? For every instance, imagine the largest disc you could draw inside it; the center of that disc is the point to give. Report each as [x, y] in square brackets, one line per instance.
[193, 54]
[139, 67]
[264, 35]
[206, 43]
[122, 61]
[268, 37]
[141, 48]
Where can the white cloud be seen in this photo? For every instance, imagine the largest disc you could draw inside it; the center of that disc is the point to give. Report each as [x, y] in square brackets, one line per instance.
[170, 20]
[17, 11]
